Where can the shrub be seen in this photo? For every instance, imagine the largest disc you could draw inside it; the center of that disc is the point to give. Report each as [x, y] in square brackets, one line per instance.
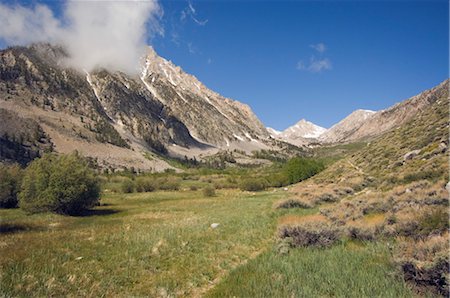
[361, 232]
[127, 186]
[209, 191]
[327, 198]
[433, 222]
[298, 169]
[144, 184]
[278, 180]
[170, 183]
[62, 184]
[253, 184]
[193, 187]
[318, 234]
[293, 203]
[425, 262]
[10, 180]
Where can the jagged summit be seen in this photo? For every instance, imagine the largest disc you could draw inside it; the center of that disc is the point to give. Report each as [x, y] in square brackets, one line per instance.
[209, 116]
[163, 109]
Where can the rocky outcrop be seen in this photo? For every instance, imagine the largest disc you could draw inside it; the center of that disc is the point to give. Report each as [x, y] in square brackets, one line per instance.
[160, 109]
[346, 126]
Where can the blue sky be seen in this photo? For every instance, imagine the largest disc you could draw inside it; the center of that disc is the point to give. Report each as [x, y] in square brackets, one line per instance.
[376, 53]
[317, 60]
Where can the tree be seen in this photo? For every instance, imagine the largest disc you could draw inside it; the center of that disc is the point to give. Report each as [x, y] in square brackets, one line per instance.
[62, 184]
[10, 180]
[298, 169]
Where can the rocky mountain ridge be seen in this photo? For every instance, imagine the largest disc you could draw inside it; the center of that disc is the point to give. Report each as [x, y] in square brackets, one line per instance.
[346, 126]
[361, 124]
[164, 110]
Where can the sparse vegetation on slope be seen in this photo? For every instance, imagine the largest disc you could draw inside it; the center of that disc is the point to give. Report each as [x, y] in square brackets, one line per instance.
[393, 188]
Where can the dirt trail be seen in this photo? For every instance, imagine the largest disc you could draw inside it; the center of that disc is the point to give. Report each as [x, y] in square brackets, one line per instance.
[356, 167]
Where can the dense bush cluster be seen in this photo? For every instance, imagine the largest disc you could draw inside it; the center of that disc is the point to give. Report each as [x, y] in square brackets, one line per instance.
[10, 180]
[253, 184]
[148, 184]
[61, 184]
[209, 191]
[298, 169]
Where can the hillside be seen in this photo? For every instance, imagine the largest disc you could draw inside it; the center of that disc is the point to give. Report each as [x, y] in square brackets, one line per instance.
[125, 118]
[364, 124]
[395, 187]
[347, 126]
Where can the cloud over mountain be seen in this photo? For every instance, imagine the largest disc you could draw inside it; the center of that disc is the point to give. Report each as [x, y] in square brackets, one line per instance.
[109, 34]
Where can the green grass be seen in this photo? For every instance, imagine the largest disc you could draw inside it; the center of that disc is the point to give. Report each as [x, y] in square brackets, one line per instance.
[344, 270]
[161, 244]
[139, 244]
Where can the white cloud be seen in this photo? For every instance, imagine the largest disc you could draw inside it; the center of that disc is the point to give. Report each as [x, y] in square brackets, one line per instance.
[315, 65]
[191, 48]
[110, 34]
[20, 25]
[320, 47]
[192, 13]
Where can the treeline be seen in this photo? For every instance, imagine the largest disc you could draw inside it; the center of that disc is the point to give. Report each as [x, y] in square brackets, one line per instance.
[248, 179]
[293, 171]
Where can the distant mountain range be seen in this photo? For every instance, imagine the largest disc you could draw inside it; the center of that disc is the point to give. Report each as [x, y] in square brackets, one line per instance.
[360, 124]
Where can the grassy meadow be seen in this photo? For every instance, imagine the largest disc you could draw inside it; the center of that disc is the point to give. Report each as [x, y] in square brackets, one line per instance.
[161, 244]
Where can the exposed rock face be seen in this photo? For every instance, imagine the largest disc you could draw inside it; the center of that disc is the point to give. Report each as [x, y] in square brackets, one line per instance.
[398, 114]
[209, 116]
[363, 124]
[162, 109]
[346, 126]
[273, 132]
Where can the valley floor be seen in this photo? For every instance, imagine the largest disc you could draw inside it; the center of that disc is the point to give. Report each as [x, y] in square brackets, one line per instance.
[161, 244]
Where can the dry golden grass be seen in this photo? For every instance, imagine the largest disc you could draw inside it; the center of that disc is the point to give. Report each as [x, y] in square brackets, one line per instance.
[296, 219]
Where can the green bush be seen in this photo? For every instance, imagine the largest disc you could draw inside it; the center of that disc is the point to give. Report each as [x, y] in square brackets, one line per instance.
[277, 180]
[209, 191]
[253, 184]
[10, 180]
[62, 184]
[433, 222]
[298, 169]
[127, 186]
[170, 183]
[144, 184]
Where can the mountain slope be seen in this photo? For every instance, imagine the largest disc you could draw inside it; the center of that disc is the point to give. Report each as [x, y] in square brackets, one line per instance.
[298, 134]
[364, 124]
[163, 110]
[304, 129]
[209, 116]
[396, 186]
[346, 126]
